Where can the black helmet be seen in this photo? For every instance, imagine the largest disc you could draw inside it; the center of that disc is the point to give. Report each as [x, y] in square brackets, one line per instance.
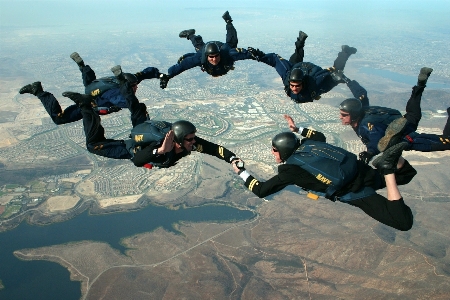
[286, 143]
[131, 78]
[211, 48]
[181, 129]
[296, 75]
[352, 106]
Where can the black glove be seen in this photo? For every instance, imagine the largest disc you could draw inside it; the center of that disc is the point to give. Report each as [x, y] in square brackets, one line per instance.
[163, 80]
[256, 53]
[239, 163]
[366, 157]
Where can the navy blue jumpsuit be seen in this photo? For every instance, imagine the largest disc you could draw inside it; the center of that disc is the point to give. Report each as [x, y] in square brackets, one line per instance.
[371, 127]
[229, 54]
[317, 81]
[98, 144]
[105, 90]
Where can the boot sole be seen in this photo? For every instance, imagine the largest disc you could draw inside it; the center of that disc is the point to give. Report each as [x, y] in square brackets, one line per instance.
[186, 33]
[117, 70]
[76, 57]
[392, 131]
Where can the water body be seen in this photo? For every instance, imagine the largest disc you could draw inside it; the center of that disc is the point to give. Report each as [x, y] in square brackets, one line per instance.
[404, 78]
[48, 280]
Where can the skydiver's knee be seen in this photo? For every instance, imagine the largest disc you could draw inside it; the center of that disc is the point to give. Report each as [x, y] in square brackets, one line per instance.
[407, 222]
[407, 225]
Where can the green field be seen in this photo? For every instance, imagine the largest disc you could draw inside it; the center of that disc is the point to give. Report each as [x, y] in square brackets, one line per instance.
[11, 210]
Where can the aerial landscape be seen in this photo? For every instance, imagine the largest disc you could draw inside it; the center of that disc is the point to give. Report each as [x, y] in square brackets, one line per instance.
[75, 225]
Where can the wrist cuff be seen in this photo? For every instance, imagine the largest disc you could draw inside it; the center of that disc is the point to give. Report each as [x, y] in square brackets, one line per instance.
[244, 175]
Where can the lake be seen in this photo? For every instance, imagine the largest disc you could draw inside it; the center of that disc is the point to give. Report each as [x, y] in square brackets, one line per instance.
[49, 280]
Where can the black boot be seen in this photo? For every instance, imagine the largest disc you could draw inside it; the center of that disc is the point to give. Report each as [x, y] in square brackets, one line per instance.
[387, 163]
[77, 58]
[186, 33]
[348, 49]
[82, 100]
[423, 76]
[226, 16]
[300, 43]
[117, 71]
[34, 88]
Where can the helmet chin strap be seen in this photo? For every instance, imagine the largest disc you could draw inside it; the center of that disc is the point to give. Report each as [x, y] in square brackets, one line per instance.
[179, 147]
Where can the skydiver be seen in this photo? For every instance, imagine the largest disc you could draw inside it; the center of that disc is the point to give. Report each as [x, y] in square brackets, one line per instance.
[214, 57]
[381, 127]
[178, 142]
[361, 182]
[105, 91]
[305, 81]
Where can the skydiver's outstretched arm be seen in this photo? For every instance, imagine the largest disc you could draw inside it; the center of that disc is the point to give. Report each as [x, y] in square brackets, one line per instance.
[281, 65]
[305, 132]
[358, 92]
[147, 73]
[185, 64]
[207, 147]
[240, 54]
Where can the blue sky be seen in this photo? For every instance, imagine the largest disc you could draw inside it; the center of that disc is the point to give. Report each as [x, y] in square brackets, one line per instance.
[379, 28]
[132, 13]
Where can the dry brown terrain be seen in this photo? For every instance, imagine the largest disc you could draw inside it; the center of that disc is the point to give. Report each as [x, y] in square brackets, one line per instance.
[289, 252]
[59, 203]
[295, 249]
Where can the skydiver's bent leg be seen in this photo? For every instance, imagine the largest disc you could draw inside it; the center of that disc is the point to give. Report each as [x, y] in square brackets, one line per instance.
[51, 105]
[425, 142]
[358, 92]
[299, 52]
[231, 37]
[138, 110]
[197, 42]
[395, 214]
[341, 60]
[413, 109]
[96, 142]
[324, 81]
[403, 175]
[88, 75]
[391, 211]
[297, 56]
